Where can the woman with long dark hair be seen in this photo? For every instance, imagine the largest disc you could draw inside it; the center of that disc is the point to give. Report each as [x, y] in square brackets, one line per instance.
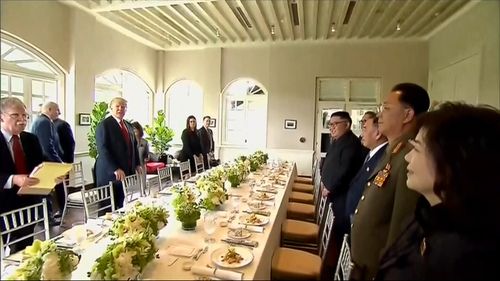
[454, 164]
[190, 143]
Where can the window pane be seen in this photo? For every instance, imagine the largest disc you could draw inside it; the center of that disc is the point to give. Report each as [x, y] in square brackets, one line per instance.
[36, 104]
[36, 88]
[17, 84]
[5, 82]
[17, 55]
[35, 66]
[21, 97]
[4, 94]
[51, 91]
[333, 89]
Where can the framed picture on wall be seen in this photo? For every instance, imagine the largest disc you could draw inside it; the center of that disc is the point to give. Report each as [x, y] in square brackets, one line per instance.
[213, 123]
[290, 124]
[84, 119]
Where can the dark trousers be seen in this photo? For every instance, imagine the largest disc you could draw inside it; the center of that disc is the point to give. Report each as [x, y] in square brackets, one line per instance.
[205, 160]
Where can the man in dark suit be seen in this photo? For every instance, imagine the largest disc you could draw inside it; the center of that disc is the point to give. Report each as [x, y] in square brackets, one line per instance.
[206, 140]
[117, 154]
[66, 140]
[387, 202]
[20, 153]
[343, 160]
[43, 127]
[376, 143]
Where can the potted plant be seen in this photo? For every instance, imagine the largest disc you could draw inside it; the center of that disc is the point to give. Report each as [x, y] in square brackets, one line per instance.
[99, 112]
[187, 209]
[159, 136]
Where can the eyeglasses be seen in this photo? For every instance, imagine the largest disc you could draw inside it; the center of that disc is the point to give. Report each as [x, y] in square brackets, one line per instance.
[333, 124]
[18, 116]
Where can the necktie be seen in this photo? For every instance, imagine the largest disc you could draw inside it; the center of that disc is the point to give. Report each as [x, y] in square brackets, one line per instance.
[19, 158]
[124, 131]
[367, 158]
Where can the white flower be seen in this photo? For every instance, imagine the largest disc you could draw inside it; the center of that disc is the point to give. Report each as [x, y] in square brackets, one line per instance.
[50, 268]
[124, 267]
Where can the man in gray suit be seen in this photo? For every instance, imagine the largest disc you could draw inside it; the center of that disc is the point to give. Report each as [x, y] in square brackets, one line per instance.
[387, 202]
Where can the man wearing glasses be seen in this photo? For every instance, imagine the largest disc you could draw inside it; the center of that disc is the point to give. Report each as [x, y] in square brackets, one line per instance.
[20, 152]
[343, 160]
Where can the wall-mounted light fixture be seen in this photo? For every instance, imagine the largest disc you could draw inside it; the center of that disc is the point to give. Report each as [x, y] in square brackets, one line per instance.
[217, 33]
[398, 26]
[333, 27]
[273, 31]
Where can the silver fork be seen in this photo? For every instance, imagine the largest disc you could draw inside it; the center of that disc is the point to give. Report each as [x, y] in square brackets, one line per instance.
[201, 253]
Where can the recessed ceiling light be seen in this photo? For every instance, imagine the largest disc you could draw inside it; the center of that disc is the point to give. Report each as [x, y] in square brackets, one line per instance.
[398, 26]
[333, 27]
[272, 30]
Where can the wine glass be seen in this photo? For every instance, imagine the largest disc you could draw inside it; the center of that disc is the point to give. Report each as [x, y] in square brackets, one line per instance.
[235, 202]
[209, 225]
[78, 234]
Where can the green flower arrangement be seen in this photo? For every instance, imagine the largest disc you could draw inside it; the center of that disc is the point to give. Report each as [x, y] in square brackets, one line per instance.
[233, 175]
[43, 260]
[141, 218]
[125, 259]
[213, 193]
[186, 207]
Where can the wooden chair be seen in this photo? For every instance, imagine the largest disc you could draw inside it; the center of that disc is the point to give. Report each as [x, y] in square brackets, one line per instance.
[24, 217]
[133, 188]
[185, 170]
[75, 179]
[165, 177]
[344, 264]
[93, 198]
[293, 264]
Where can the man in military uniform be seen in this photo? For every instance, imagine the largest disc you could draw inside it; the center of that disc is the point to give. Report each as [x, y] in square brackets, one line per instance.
[387, 202]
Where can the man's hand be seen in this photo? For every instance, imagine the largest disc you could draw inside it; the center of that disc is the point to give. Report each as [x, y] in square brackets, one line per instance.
[120, 175]
[324, 191]
[24, 180]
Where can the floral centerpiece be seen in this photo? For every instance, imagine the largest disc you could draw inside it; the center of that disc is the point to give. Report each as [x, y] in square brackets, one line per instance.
[125, 259]
[233, 175]
[212, 191]
[141, 218]
[257, 159]
[186, 207]
[44, 261]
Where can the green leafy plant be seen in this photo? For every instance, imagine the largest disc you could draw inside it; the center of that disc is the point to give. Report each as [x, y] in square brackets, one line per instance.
[159, 135]
[187, 209]
[99, 112]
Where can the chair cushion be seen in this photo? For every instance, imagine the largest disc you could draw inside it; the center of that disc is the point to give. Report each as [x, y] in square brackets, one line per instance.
[301, 197]
[300, 231]
[302, 187]
[291, 264]
[300, 211]
[152, 167]
[75, 197]
[306, 180]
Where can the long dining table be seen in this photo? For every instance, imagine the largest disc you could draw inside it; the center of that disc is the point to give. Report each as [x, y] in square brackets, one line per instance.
[169, 266]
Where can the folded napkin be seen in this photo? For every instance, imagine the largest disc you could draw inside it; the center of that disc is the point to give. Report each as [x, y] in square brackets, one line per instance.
[252, 228]
[258, 212]
[267, 191]
[216, 272]
[181, 250]
[243, 242]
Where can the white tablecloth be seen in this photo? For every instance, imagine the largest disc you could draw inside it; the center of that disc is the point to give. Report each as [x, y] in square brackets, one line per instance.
[173, 234]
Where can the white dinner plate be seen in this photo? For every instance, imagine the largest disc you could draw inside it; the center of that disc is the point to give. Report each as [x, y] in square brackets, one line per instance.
[263, 196]
[218, 255]
[244, 233]
[92, 231]
[263, 220]
[256, 206]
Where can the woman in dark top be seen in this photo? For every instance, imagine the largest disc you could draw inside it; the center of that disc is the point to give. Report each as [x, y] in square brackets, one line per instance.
[142, 144]
[190, 143]
[455, 233]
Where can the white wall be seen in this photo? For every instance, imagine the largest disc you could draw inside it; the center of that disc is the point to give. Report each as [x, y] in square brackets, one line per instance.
[289, 73]
[83, 47]
[464, 57]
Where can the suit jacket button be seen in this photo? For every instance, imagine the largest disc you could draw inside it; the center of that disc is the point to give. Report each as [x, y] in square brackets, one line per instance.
[356, 211]
[352, 225]
[367, 169]
[369, 184]
[362, 198]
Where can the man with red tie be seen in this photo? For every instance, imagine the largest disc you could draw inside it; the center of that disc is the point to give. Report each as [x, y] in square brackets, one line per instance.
[117, 154]
[20, 153]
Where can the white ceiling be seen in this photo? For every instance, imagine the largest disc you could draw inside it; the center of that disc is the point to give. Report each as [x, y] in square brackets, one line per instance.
[187, 24]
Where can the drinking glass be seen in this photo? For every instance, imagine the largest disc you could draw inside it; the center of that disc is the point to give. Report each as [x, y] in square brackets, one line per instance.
[78, 234]
[210, 225]
[235, 202]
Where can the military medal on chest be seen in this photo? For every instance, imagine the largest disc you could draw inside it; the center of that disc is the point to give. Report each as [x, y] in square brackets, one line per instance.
[382, 176]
